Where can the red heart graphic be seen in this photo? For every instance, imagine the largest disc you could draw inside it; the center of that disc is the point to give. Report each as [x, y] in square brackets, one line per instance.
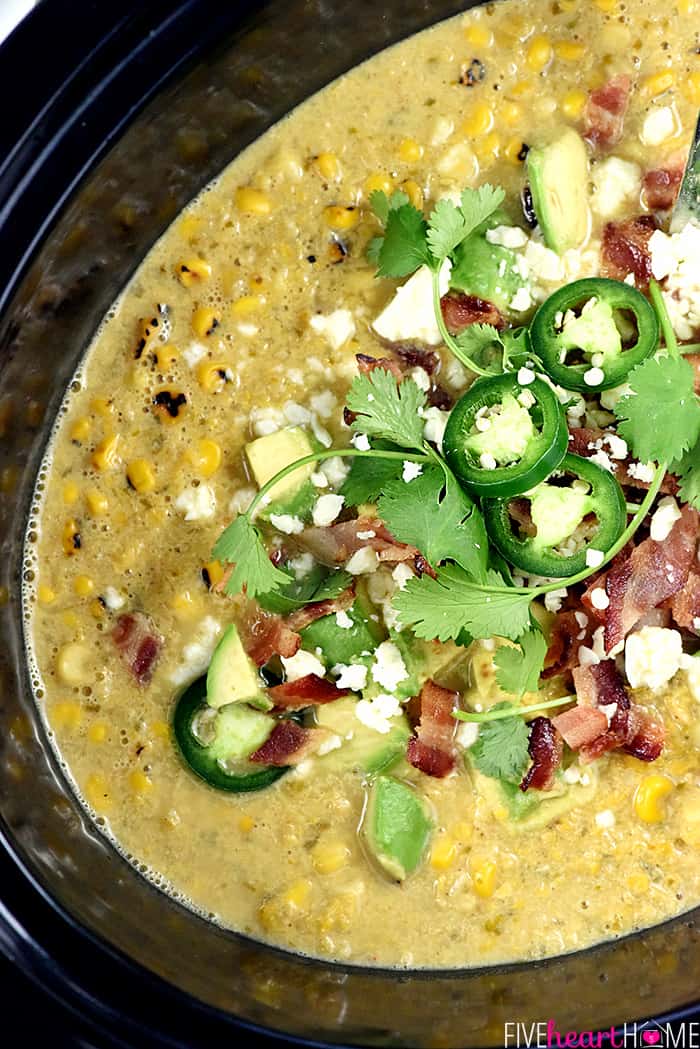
[651, 1037]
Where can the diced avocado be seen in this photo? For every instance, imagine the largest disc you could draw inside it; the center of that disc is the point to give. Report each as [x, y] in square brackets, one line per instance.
[558, 174]
[233, 677]
[557, 512]
[238, 732]
[268, 455]
[489, 271]
[366, 751]
[510, 431]
[593, 331]
[396, 826]
[525, 810]
[352, 644]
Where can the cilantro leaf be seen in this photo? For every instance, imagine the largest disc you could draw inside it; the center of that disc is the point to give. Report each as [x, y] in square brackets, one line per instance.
[332, 586]
[240, 544]
[660, 419]
[479, 204]
[405, 247]
[381, 204]
[434, 514]
[369, 476]
[480, 343]
[443, 607]
[688, 470]
[446, 229]
[518, 669]
[386, 409]
[500, 750]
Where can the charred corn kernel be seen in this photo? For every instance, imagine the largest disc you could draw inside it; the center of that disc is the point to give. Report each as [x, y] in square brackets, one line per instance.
[328, 165]
[97, 733]
[66, 714]
[488, 147]
[379, 181]
[657, 83]
[213, 572]
[638, 883]
[511, 112]
[483, 878]
[479, 121]
[205, 456]
[253, 201]
[514, 151]
[462, 832]
[83, 585]
[106, 455]
[193, 270]
[573, 103]
[247, 304]
[139, 781]
[298, 894]
[101, 406]
[34, 413]
[97, 792]
[80, 430]
[70, 493]
[608, 6]
[72, 663]
[479, 36]
[97, 610]
[204, 321]
[97, 502]
[140, 475]
[329, 857]
[413, 192]
[45, 594]
[190, 226]
[569, 50]
[539, 53]
[70, 537]
[166, 354]
[410, 151]
[691, 87]
[649, 797]
[212, 376]
[443, 853]
[341, 218]
[245, 823]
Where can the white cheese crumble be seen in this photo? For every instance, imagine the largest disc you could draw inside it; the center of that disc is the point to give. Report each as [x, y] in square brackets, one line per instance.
[675, 258]
[411, 471]
[377, 713]
[605, 819]
[194, 353]
[287, 523]
[487, 461]
[343, 620]
[197, 653]
[411, 314]
[265, 421]
[664, 518]
[401, 575]
[652, 657]
[525, 376]
[553, 599]
[659, 124]
[420, 378]
[319, 480]
[197, 504]
[642, 472]
[113, 599]
[618, 446]
[435, 423]
[323, 403]
[363, 561]
[599, 598]
[594, 557]
[521, 301]
[350, 675]
[329, 744]
[301, 664]
[360, 441]
[615, 181]
[467, 734]
[388, 668]
[456, 374]
[609, 398]
[594, 376]
[335, 470]
[507, 236]
[326, 509]
[337, 327]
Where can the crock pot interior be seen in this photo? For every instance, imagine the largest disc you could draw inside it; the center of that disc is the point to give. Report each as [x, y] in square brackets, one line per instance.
[254, 73]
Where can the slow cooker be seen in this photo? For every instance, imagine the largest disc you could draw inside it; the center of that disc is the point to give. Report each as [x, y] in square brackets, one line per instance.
[114, 116]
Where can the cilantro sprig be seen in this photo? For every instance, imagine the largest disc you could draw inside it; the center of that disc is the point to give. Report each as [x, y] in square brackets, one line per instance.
[518, 669]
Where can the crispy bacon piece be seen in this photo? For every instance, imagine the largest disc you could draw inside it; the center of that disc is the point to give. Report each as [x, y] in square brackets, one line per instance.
[409, 356]
[546, 748]
[318, 609]
[630, 728]
[460, 310]
[265, 635]
[685, 605]
[604, 117]
[138, 643]
[661, 187]
[432, 748]
[580, 725]
[566, 636]
[288, 744]
[583, 441]
[649, 736]
[625, 249]
[412, 356]
[335, 544]
[367, 364]
[308, 691]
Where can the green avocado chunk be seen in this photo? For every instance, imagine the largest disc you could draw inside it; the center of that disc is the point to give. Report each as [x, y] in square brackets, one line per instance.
[558, 174]
[353, 644]
[396, 827]
[232, 676]
[294, 494]
[361, 748]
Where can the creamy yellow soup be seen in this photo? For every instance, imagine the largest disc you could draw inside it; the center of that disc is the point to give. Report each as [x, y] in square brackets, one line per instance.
[134, 500]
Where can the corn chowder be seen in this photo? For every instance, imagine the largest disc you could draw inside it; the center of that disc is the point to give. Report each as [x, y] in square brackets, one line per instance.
[423, 698]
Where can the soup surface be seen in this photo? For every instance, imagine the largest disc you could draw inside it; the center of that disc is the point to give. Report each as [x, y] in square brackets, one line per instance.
[245, 322]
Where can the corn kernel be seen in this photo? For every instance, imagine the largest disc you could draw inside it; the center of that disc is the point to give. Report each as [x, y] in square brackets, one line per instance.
[253, 201]
[329, 857]
[97, 793]
[66, 714]
[193, 270]
[483, 878]
[97, 502]
[569, 50]
[328, 166]
[70, 537]
[638, 883]
[247, 304]
[212, 376]
[72, 663]
[190, 226]
[97, 610]
[691, 87]
[443, 853]
[166, 354]
[106, 455]
[45, 594]
[607, 6]
[71, 620]
[479, 36]
[522, 88]
[83, 585]
[80, 430]
[140, 475]
[657, 83]
[139, 782]
[462, 832]
[539, 54]
[413, 192]
[514, 151]
[648, 798]
[70, 493]
[573, 104]
[204, 321]
[511, 112]
[488, 148]
[97, 733]
[205, 456]
[687, 7]
[245, 823]
[298, 894]
[341, 218]
[479, 121]
[410, 151]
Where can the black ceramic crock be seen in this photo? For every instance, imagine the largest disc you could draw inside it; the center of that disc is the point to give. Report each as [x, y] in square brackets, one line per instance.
[110, 123]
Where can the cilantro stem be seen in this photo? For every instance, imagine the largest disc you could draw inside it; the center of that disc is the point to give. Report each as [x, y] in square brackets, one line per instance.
[317, 457]
[447, 338]
[513, 711]
[690, 347]
[659, 305]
